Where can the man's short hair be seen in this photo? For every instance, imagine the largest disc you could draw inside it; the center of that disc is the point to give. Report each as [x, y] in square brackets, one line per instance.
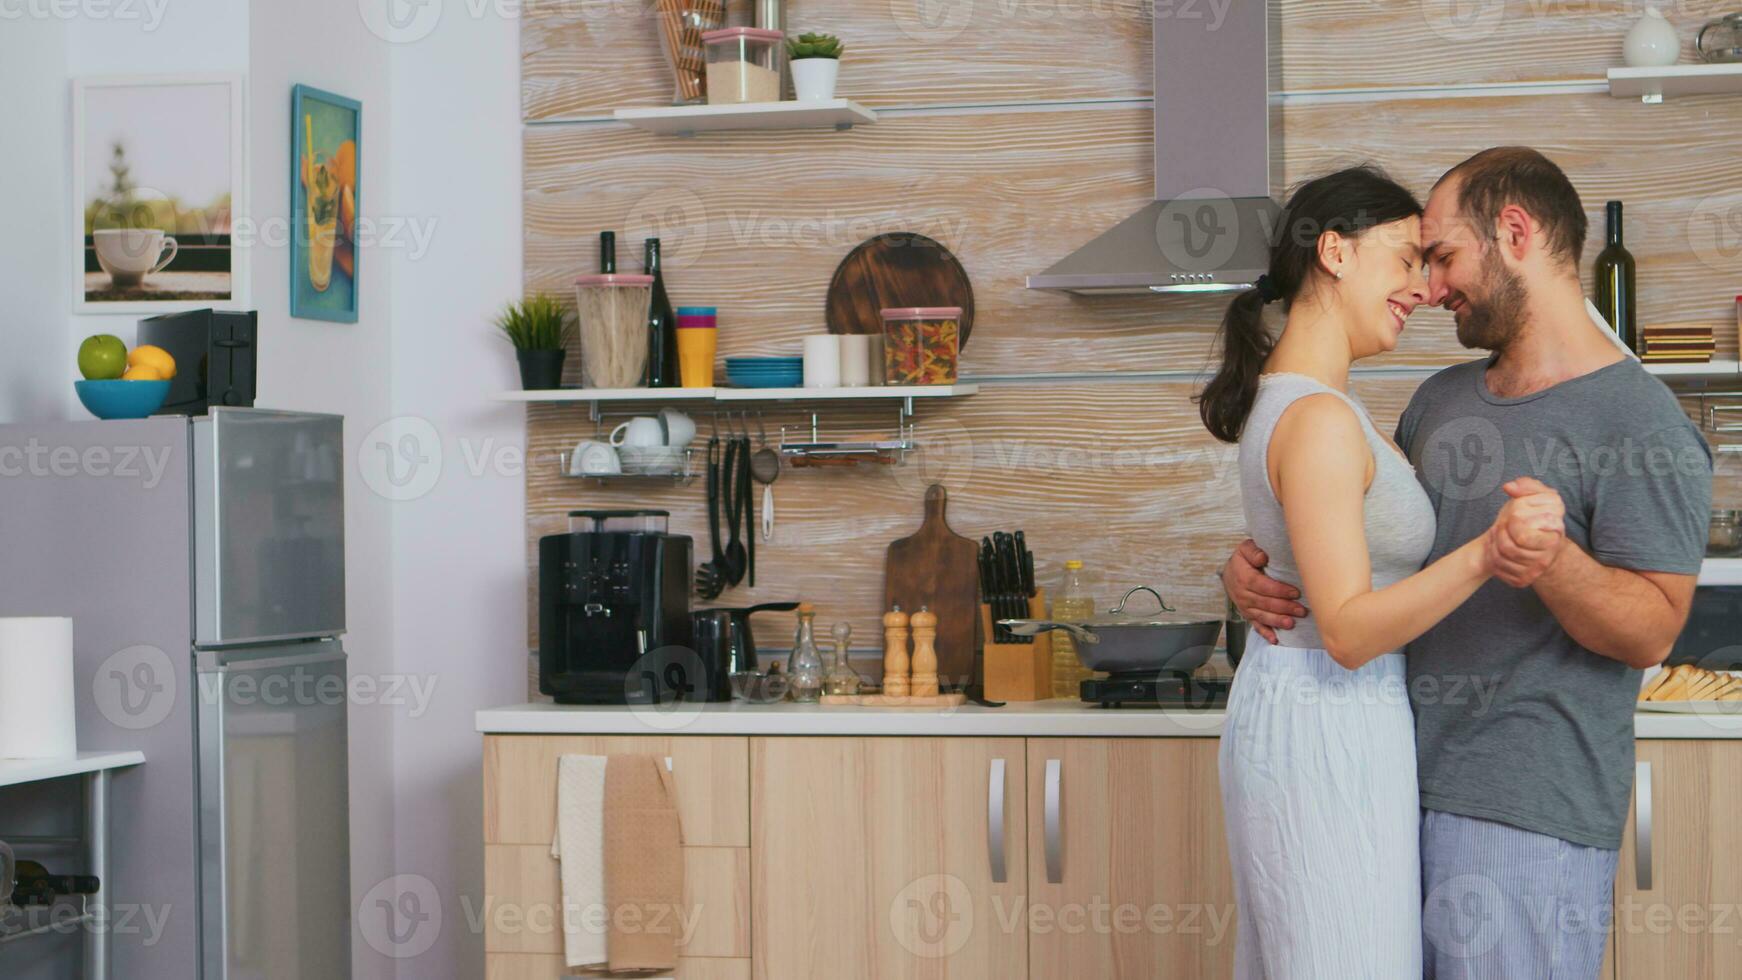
[1503, 175]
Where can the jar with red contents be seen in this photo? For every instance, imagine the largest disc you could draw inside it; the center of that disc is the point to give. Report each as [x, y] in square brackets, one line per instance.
[921, 344]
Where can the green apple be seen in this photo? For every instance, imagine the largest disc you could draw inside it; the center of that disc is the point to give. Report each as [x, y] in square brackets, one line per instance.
[102, 357]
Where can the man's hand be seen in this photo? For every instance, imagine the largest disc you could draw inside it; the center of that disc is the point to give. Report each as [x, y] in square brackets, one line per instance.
[1267, 604]
[1528, 534]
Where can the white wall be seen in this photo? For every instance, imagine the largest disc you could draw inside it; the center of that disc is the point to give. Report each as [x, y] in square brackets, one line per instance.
[459, 564]
[336, 367]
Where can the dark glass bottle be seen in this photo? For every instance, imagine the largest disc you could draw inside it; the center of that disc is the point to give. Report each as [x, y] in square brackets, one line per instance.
[37, 887]
[607, 252]
[1615, 289]
[661, 326]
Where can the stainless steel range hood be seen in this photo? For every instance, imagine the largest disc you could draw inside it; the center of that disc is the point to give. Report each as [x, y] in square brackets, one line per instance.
[1218, 161]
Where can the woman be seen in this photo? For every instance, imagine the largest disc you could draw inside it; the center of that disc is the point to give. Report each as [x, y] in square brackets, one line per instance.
[1318, 753]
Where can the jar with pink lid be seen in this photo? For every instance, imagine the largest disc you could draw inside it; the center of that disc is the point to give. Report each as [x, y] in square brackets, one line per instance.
[921, 344]
[743, 65]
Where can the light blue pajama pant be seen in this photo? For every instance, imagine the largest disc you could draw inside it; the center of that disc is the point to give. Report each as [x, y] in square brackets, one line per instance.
[1504, 903]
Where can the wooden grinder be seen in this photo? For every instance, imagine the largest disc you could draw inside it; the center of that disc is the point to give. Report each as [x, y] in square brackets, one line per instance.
[895, 662]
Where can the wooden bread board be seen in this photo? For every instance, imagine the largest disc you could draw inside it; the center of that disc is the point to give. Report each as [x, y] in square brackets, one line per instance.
[939, 569]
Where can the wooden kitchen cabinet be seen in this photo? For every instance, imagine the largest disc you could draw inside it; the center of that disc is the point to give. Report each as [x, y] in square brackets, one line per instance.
[1139, 885]
[874, 858]
[1687, 922]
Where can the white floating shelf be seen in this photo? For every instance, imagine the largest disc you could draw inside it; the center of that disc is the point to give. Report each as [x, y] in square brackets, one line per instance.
[871, 393]
[1707, 369]
[15, 771]
[1673, 81]
[1721, 571]
[684, 120]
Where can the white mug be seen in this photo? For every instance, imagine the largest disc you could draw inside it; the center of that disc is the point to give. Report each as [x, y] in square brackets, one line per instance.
[642, 431]
[592, 458]
[128, 255]
[680, 429]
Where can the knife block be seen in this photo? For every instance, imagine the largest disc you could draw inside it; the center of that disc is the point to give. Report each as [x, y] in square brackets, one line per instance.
[1017, 671]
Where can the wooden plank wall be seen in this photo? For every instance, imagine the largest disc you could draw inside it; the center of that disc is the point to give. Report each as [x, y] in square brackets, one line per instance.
[1015, 131]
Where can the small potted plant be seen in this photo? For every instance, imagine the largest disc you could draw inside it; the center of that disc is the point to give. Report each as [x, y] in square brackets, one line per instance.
[816, 63]
[538, 327]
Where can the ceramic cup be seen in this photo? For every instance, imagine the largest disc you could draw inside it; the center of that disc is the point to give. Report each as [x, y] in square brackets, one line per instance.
[128, 255]
[641, 432]
[855, 360]
[680, 429]
[822, 361]
[593, 458]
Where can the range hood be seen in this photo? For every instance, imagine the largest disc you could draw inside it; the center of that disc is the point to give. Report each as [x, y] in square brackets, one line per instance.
[1218, 160]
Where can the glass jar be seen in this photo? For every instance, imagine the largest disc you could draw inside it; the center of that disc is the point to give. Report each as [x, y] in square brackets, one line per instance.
[1720, 41]
[611, 322]
[804, 668]
[743, 65]
[842, 678]
[921, 344]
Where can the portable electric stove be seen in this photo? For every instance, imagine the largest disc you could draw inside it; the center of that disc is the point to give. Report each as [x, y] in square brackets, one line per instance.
[1147, 689]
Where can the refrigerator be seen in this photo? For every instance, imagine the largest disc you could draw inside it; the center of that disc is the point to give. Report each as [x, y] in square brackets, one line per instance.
[202, 562]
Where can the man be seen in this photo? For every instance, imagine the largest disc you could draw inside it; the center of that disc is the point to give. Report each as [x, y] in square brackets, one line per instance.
[1524, 696]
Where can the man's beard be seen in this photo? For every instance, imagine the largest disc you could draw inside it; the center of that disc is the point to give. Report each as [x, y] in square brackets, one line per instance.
[1491, 322]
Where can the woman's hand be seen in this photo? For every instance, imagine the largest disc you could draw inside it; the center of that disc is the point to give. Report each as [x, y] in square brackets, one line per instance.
[1527, 534]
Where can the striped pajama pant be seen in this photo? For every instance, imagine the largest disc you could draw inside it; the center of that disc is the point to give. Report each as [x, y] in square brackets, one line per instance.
[1504, 903]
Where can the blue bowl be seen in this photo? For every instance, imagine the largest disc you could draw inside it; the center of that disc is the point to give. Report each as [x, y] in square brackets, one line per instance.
[764, 362]
[122, 399]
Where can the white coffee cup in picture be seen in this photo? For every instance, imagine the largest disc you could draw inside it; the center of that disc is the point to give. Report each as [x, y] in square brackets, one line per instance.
[593, 458]
[680, 429]
[822, 361]
[856, 360]
[128, 255]
[642, 431]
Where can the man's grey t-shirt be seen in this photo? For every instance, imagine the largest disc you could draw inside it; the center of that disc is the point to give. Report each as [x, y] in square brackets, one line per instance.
[1515, 721]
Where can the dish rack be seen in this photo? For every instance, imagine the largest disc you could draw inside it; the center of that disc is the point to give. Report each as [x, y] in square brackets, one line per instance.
[65, 915]
[819, 452]
[681, 476]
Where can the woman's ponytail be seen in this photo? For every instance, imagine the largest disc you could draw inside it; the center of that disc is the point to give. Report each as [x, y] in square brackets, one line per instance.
[1246, 344]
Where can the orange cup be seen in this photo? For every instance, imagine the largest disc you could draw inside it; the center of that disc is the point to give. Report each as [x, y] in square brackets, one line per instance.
[695, 356]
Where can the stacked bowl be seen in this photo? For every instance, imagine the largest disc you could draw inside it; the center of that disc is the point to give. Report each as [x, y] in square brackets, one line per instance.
[765, 372]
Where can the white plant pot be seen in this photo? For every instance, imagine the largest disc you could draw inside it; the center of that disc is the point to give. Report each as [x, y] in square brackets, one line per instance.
[813, 79]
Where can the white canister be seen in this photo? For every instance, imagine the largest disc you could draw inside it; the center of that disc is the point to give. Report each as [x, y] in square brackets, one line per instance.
[1652, 43]
[856, 360]
[822, 361]
[37, 717]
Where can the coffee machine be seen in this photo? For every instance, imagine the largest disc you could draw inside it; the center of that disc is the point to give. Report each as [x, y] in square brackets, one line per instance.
[614, 610]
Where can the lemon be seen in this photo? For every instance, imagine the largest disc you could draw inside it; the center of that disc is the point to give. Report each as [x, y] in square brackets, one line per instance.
[143, 372]
[151, 356]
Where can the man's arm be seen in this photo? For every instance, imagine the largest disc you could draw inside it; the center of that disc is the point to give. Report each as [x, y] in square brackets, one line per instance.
[1265, 603]
[1633, 617]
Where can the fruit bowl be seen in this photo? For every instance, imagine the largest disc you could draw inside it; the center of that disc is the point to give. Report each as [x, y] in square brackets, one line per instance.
[122, 399]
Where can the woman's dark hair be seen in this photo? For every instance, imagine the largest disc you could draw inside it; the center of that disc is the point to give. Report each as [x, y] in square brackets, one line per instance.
[1348, 202]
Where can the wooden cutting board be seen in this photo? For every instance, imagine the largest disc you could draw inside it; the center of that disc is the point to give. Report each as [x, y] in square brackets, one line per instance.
[898, 269]
[937, 568]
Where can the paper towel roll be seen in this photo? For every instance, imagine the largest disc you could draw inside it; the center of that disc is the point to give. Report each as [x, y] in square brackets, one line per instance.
[37, 719]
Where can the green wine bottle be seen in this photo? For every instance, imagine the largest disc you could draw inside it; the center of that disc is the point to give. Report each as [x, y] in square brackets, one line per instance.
[1615, 289]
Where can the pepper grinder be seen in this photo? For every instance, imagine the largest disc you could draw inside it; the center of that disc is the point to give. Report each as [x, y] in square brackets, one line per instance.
[895, 663]
[925, 655]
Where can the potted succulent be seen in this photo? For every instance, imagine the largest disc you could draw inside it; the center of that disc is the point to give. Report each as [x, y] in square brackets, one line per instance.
[816, 62]
[538, 327]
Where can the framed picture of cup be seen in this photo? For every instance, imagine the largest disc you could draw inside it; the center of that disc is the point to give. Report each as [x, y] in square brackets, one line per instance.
[326, 168]
[158, 186]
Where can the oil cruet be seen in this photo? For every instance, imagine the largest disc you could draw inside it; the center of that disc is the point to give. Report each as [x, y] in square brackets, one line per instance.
[842, 678]
[804, 669]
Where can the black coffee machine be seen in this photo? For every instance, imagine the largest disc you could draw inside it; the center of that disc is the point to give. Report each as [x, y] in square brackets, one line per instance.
[614, 611]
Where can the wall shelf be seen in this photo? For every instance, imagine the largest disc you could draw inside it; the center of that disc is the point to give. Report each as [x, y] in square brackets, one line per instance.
[687, 120]
[868, 393]
[1721, 571]
[1653, 85]
[1707, 369]
[15, 771]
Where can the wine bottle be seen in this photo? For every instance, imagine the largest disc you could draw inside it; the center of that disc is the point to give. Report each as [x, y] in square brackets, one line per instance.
[37, 887]
[1615, 288]
[607, 252]
[662, 369]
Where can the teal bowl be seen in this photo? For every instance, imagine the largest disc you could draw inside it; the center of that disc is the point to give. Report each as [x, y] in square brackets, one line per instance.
[122, 399]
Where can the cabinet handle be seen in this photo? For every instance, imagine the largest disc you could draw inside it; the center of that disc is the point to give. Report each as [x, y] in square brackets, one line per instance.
[1055, 871]
[1642, 825]
[995, 821]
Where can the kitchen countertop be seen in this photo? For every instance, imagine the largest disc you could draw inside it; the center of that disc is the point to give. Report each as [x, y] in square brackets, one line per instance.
[1035, 719]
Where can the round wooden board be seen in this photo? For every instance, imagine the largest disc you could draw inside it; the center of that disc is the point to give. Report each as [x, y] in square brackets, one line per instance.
[901, 268]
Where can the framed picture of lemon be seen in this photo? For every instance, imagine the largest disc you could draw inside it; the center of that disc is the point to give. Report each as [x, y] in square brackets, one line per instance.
[325, 172]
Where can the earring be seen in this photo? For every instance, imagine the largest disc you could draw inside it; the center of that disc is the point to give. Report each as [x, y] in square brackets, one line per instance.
[1339, 276]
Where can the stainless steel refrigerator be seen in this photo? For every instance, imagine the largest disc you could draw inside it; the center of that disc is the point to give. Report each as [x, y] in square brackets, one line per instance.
[202, 562]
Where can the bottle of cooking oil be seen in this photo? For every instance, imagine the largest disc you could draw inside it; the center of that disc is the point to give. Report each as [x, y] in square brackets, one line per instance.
[1073, 602]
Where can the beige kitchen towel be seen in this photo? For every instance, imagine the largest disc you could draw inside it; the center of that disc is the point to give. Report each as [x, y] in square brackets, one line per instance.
[643, 864]
[580, 846]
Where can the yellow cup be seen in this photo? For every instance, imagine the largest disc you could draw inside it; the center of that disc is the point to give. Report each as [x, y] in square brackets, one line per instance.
[695, 356]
